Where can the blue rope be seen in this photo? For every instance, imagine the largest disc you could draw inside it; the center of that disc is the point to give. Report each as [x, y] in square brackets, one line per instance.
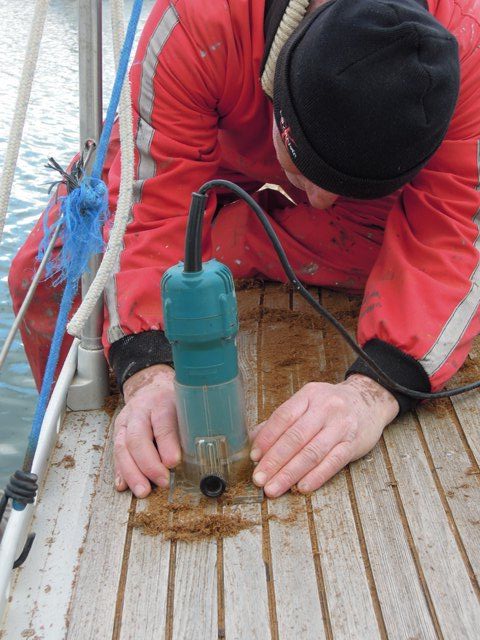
[70, 290]
[117, 89]
[82, 214]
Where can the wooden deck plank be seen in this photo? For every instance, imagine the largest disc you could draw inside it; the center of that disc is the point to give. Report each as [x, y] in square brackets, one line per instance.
[246, 600]
[93, 605]
[45, 582]
[144, 602]
[195, 599]
[467, 405]
[272, 340]
[459, 478]
[449, 585]
[403, 603]
[248, 358]
[350, 604]
[293, 571]
[293, 566]
[467, 408]
[402, 599]
[244, 580]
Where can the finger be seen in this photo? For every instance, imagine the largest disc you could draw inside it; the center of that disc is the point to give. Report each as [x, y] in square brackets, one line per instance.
[254, 431]
[338, 457]
[120, 422]
[287, 446]
[139, 441]
[165, 432]
[119, 425]
[120, 484]
[307, 459]
[280, 420]
[127, 470]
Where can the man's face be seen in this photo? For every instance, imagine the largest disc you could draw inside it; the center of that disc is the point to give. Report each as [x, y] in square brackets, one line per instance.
[318, 197]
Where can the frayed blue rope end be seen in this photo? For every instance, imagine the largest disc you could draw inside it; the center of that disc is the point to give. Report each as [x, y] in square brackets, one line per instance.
[83, 213]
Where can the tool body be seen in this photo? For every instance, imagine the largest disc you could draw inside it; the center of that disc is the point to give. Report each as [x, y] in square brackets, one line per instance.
[201, 323]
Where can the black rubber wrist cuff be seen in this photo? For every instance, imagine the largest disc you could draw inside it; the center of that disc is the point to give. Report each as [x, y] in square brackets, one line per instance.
[399, 366]
[138, 351]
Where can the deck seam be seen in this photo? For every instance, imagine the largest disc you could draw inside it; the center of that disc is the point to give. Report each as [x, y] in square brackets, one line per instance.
[220, 591]
[322, 593]
[259, 350]
[266, 548]
[443, 499]
[122, 582]
[268, 562]
[290, 300]
[170, 591]
[410, 540]
[366, 559]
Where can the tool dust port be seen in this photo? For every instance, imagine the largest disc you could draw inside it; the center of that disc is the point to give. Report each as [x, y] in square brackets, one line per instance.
[212, 458]
[212, 486]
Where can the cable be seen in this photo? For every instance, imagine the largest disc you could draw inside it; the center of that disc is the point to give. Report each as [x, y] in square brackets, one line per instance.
[195, 225]
[193, 237]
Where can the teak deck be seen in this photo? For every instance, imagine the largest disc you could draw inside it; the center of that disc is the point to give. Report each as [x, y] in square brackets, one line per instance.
[390, 548]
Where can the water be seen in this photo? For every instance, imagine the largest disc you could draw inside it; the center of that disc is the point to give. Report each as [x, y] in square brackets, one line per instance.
[51, 130]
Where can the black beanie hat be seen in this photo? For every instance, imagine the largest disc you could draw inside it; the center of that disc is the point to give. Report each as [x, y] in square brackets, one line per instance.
[364, 92]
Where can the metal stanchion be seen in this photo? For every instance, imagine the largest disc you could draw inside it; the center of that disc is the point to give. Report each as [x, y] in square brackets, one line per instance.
[90, 385]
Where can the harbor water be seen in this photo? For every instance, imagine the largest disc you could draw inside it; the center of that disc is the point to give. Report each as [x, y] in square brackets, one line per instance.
[51, 130]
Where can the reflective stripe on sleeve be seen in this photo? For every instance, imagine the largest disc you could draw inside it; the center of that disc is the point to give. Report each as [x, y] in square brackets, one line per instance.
[459, 321]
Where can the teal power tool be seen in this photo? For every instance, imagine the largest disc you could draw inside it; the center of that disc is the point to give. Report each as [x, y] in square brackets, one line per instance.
[201, 323]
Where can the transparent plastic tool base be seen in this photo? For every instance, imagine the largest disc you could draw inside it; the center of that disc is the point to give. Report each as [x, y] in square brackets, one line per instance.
[183, 489]
[214, 440]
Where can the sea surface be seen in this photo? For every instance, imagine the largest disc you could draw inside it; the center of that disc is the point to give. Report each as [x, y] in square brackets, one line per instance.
[51, 130]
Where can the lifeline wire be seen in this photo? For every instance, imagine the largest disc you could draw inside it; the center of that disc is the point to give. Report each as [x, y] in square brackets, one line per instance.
[192, 247]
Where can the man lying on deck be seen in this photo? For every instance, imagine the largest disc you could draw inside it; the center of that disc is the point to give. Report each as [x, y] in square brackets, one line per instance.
[375, 115]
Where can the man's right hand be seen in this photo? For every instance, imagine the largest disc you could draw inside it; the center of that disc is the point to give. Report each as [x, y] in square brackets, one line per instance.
[146, 441]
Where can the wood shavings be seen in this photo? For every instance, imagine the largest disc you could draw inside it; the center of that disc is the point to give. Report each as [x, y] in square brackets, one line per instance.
[187, 521]
[242, 284]
[190, 519]
[67, 462]
[472, 471]
[111, 403]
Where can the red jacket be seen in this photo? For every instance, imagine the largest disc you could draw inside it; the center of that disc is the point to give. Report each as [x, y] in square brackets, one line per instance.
[200, 113]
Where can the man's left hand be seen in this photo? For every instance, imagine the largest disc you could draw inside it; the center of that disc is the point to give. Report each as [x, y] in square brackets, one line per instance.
[318, 431]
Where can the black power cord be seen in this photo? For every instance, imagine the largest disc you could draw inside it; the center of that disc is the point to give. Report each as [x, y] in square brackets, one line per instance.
[193, 258]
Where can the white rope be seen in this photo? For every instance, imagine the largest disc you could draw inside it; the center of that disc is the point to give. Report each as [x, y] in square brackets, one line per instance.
[21, 105]
[292, 17]
[124, 203]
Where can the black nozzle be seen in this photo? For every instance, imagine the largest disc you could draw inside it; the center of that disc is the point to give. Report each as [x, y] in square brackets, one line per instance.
[212, 486]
